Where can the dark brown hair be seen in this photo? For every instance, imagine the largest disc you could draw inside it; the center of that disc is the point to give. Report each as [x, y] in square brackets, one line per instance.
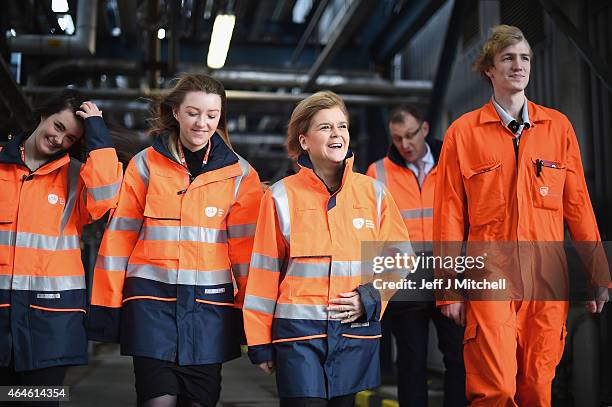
[398, 114]
[163, 119]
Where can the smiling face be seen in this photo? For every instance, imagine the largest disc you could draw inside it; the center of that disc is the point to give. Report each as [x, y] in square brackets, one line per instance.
[409, 137]
[57, 132]
[327, 138]
[511, 67]
[198, 117]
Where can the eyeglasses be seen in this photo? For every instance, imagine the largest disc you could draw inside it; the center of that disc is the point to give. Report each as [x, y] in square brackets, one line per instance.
[414, 133]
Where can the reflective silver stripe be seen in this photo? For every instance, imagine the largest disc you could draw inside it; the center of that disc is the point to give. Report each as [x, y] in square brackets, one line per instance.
[114, 263]
[281, 201]
[244, 165]
[379, 189]
[126, 224]
[5, 282]
[254, 303]
[381, 173]
[312, 270]
[350, 268]
[140, 161]
[7, 237]
[182, 276]
[246, 230]
[74, 170]
[417, 213]
[260, 261]
[36, 241]
[185, 233]
[105, 192]
[301, 311]
[240, 270]
[40, 283]
[419, 247]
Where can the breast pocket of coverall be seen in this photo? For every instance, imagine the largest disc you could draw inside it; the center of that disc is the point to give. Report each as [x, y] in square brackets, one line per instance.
[548, 180]
[484, 188]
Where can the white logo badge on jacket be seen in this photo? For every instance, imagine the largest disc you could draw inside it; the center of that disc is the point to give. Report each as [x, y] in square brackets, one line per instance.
[52, 198]
[358, 223]
[210, 211]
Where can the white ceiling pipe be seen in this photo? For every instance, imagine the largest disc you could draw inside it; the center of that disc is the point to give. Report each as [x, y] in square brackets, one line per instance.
[82, 43]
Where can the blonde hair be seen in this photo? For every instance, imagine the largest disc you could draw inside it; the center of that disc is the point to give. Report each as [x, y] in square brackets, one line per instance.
[302, 116]
[163, 120]
[502, 36]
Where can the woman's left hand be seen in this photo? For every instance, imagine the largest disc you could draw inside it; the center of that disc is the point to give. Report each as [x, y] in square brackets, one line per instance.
[347, 308]
[88, 109]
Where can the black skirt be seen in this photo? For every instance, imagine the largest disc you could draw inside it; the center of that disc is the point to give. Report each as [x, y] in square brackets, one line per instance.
[199, 383]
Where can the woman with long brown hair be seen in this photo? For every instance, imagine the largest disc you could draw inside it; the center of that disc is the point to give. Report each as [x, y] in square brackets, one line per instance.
[174, 259]
[46, 198]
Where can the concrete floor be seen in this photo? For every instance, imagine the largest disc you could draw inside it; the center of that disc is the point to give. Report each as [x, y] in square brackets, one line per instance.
[108, 380]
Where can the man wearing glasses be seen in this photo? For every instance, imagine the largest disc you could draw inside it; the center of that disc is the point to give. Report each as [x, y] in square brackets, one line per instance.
[409, 172]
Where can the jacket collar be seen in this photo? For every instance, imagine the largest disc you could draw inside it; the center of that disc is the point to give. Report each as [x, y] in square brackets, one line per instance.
[220, 154]
[307, 170]
[488, 113]
[434, 146]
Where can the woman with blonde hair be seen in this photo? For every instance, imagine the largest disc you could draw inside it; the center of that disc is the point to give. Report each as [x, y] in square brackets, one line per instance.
[174, 259]
[311, 312]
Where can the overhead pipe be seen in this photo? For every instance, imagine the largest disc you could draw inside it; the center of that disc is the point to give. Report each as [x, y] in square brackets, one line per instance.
[82, 43]
[238, 95]
[337, 82]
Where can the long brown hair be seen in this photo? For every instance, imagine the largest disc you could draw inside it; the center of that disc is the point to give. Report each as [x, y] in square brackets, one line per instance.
[163, 120]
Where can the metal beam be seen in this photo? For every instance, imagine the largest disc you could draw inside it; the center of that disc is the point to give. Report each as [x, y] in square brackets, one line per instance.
[14, 98]
[445, 65]
[358, 11]
[584, 48]
[312, 23]
[83, 42]
[153, 53]
[87, 66]
[236, 95]
[412, 19]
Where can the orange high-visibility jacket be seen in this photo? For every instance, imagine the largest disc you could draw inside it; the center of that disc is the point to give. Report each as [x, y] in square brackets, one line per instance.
[42, 280]
[308, 250]
[415, 202]
[172, 255]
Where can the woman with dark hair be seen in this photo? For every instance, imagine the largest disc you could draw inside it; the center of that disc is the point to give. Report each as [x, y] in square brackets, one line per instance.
[311, 311]
[174, 258]
[46, 198]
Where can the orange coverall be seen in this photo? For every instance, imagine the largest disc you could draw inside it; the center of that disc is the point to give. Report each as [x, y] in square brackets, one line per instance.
[486, 193]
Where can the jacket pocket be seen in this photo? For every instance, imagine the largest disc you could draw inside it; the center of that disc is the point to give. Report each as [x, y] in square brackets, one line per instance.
[548, 178]
[471, 349]
[57, 325]
[484, 187]
[162, 227]
[308, 277]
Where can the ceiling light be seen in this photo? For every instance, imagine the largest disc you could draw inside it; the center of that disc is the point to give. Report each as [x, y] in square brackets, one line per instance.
[220, 40]
[59, 6]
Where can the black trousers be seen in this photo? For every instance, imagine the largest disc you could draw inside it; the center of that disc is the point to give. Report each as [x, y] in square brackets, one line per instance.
[50, 376]
[342, 401]
[198, 383]
[410, 326]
